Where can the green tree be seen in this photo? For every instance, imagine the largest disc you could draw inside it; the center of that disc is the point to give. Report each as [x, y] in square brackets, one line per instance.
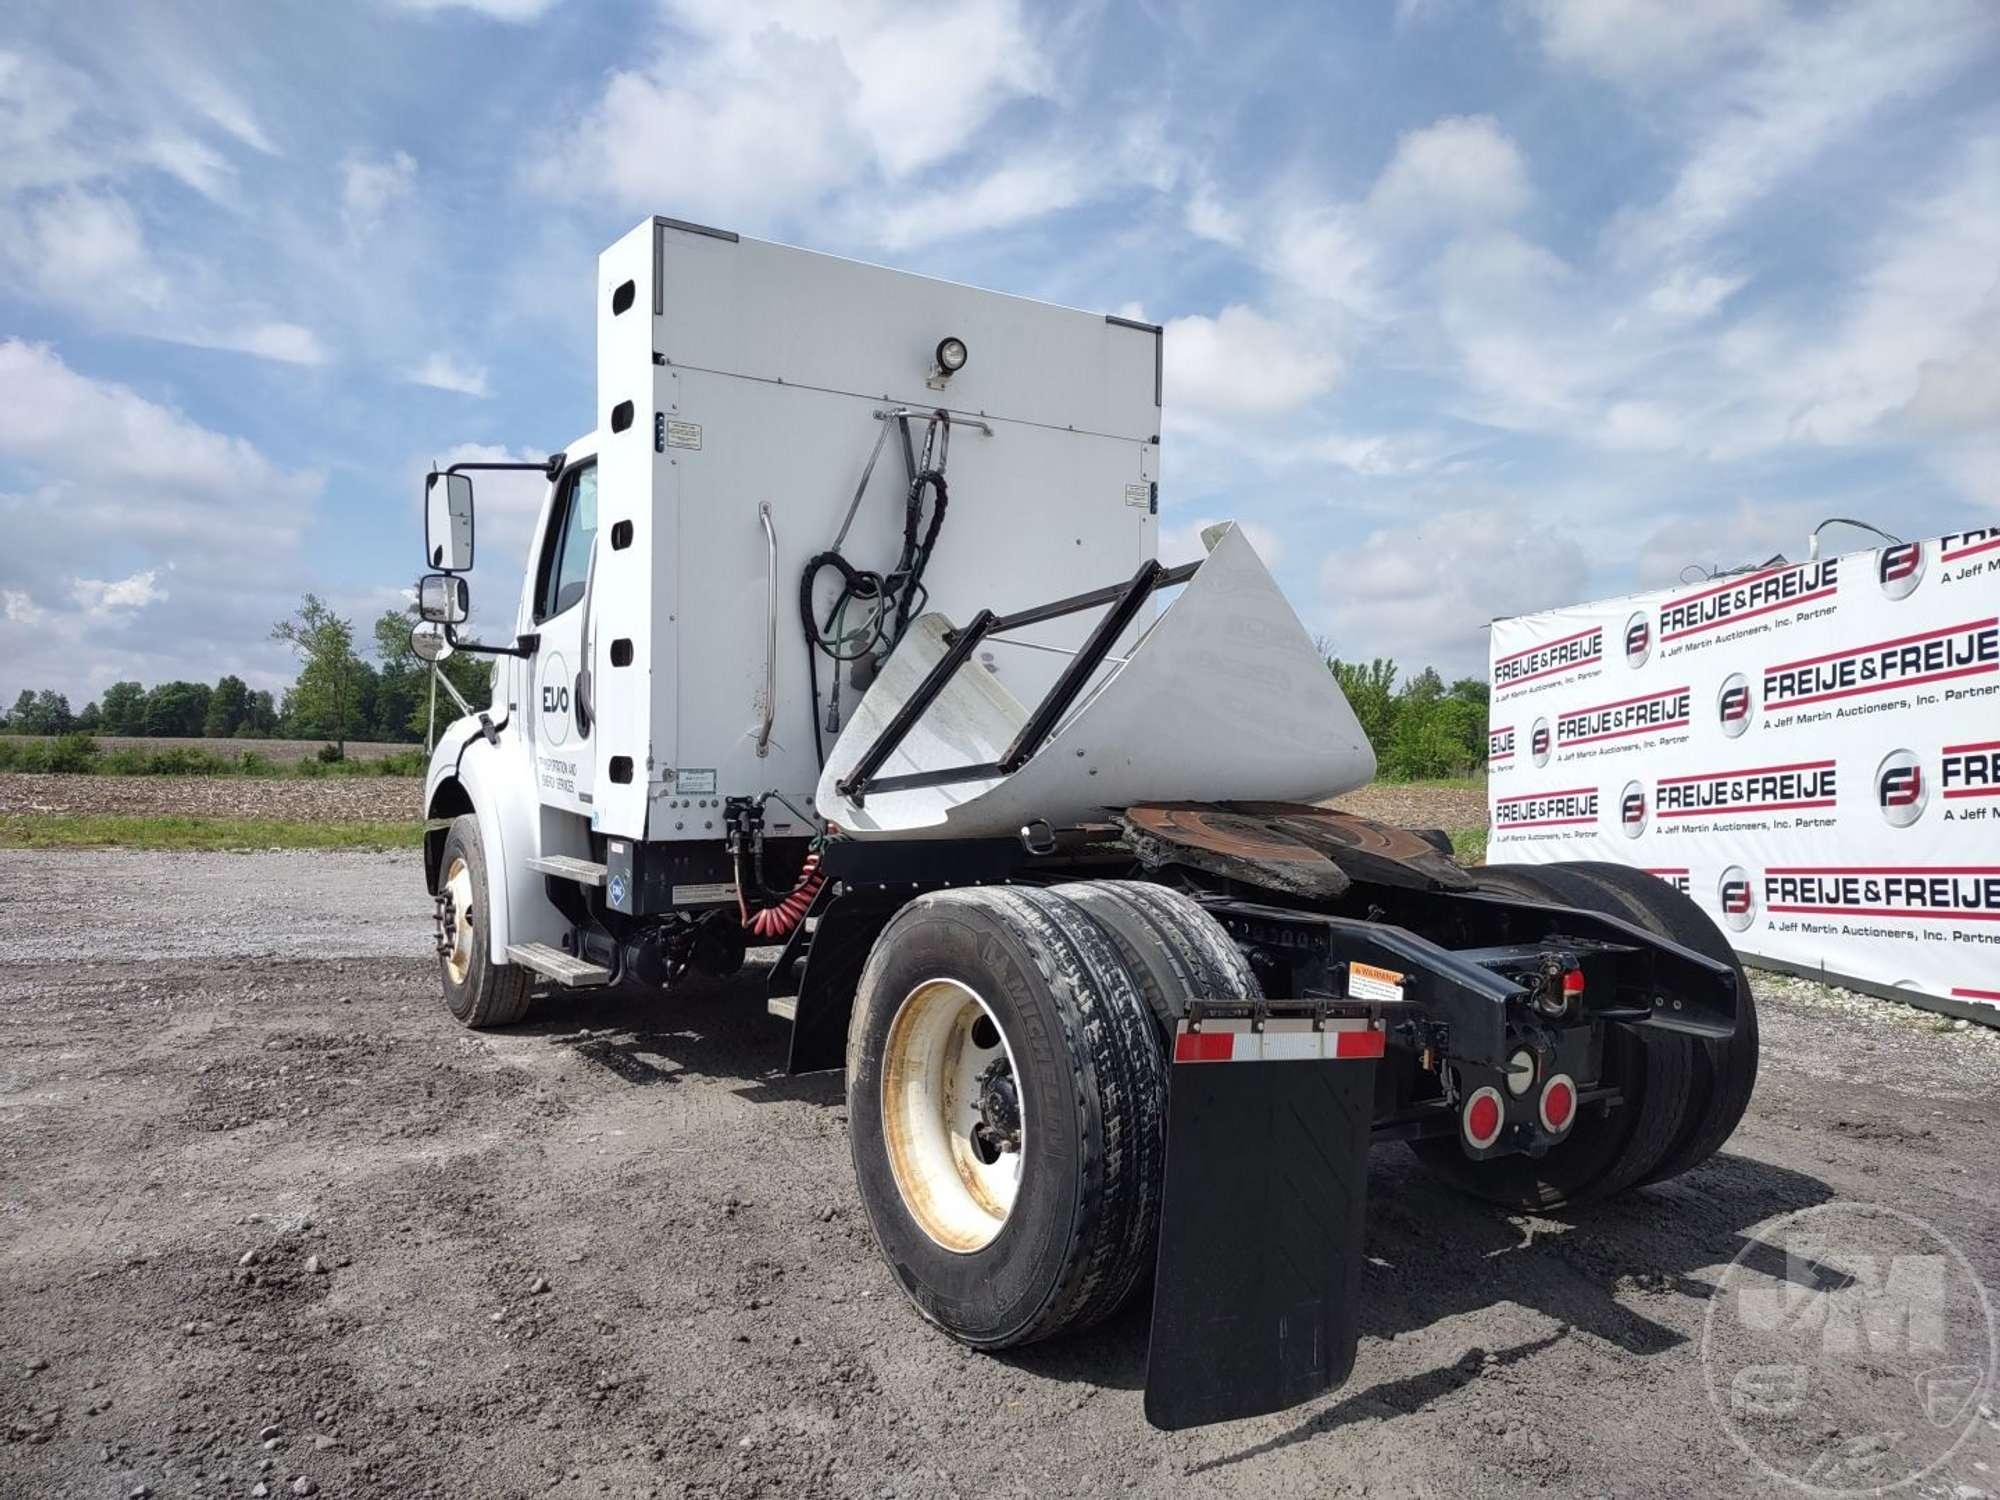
[1371, 693]
[322, 701]
[177, 710]
[46, 712]
[91, 720]
[226, 707]
[123, 709]
[403, 697]
[260, 717]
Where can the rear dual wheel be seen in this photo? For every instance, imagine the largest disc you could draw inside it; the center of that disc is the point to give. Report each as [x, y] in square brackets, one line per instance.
[1682, 1095]
[1006, 1087]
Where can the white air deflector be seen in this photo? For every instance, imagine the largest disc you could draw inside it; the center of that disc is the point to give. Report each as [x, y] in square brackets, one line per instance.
[1224, 699]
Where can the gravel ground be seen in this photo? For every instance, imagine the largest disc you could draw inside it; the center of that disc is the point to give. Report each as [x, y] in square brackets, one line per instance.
[271, 1218]
[1418, 806]
[291, 799]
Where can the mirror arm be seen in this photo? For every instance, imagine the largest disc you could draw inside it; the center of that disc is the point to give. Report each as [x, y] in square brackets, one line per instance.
[524, 645]
[550, 466]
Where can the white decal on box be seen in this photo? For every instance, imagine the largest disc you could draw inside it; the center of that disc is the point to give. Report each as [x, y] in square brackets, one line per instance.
[684, 435]
[695, 783]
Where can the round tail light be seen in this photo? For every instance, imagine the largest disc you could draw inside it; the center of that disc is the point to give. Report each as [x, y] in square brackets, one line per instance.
[1558, 1106]
[1482, 1117]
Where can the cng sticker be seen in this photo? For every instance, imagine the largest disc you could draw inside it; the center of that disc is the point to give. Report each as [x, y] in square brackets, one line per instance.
[555, 699]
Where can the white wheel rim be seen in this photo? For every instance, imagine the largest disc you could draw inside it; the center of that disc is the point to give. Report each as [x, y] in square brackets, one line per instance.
[458, 882]
[942, 1042]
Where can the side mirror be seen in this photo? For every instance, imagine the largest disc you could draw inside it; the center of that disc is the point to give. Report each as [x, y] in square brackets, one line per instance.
[443, 599]
[430, 642]
[448, 522]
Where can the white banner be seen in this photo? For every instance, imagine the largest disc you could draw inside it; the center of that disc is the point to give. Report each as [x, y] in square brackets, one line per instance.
[1810, 751]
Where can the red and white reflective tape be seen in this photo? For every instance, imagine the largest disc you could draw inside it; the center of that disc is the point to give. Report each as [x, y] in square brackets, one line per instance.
[1279, 1041]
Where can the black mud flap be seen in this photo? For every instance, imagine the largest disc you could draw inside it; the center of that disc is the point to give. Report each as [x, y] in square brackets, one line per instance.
[1261, 1221]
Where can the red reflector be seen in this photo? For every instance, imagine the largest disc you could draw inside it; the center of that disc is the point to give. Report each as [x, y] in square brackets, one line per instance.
[1204, 1046]
[1573, 982]
[1482, 1118]
[1561, 1102]
[1357, 1044]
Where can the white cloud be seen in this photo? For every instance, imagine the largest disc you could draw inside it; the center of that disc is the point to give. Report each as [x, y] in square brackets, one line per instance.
[1917, 340]
[96, 596]
[1010, 194]
[288, 343]
[1241, 363]
[1647, 42]
[1424, 593]
[441, 372]
[125, 490]
[135, 470]
[191, 161]
[1688, 294]
[369, 189]
[1814, 83]
[515, 11]
[1462, 168]
[779, 107]
[82, 249]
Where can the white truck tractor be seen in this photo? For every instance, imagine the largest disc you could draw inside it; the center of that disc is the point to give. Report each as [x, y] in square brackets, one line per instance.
[843, 634]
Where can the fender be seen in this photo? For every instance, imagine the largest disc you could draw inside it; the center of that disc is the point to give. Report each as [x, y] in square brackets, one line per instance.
[466, 768]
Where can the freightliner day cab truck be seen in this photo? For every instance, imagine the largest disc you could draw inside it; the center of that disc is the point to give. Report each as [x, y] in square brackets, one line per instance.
[844, 634]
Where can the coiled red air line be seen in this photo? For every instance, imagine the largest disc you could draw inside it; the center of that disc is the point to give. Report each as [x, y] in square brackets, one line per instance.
[778, 921]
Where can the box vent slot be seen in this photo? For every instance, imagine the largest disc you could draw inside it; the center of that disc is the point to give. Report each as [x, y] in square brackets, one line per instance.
[621, 416]
[621, 300]
[621, 769]
[621, 653]
[621, 536]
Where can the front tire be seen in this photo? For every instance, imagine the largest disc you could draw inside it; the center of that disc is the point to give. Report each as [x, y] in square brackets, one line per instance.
[1006, 1091]
[478, 992]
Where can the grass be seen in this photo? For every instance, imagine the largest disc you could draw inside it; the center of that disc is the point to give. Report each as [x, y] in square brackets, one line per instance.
[1469, 844]
[143, 831]
[1475, 782]
[79, 754]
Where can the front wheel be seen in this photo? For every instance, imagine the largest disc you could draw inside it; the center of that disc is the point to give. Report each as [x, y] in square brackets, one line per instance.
[1006, 1086]
[477, 991]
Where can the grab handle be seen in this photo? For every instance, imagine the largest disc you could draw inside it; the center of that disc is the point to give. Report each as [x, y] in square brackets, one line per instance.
[771, 630]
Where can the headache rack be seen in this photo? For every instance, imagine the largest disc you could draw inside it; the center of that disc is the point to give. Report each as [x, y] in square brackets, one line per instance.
[1125, 601]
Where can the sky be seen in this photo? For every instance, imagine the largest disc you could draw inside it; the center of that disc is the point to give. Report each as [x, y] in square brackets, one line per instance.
[1473, 307]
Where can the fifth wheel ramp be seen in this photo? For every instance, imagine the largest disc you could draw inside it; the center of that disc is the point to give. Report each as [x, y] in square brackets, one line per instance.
[1224, 698]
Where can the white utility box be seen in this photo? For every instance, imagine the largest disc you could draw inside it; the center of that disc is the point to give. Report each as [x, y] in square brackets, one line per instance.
[735, 375]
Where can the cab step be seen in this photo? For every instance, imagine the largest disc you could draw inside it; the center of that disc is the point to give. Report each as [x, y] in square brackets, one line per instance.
[568, 867]
[552, 963]
[784, 1007]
